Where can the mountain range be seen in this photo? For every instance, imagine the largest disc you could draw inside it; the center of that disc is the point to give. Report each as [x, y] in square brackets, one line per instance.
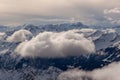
[107, 51]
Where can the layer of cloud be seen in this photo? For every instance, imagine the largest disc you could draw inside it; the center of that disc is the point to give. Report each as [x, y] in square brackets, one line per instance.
[110, 72]
[51, 44]
[19, 36]
[46, 11]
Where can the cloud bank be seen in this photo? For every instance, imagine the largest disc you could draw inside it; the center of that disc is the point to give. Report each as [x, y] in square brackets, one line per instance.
[110, 72]
[52, 11]
[53, 44]
[20, 36]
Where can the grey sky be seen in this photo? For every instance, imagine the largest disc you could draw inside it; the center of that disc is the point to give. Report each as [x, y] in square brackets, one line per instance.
[102, 12]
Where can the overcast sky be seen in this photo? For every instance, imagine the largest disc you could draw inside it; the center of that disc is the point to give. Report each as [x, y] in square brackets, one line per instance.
[17, 12]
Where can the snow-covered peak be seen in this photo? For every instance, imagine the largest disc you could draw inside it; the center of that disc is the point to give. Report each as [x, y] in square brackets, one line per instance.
[106, 38]
[102, 38]
[117, 44]
[109, 31]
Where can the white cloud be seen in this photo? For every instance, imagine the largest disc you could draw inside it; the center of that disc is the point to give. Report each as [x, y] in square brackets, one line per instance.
[110, 72]
[1, 35]
[75, 74]
[114, 10]
[19, 36]
[112, 15]
[51, 44]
